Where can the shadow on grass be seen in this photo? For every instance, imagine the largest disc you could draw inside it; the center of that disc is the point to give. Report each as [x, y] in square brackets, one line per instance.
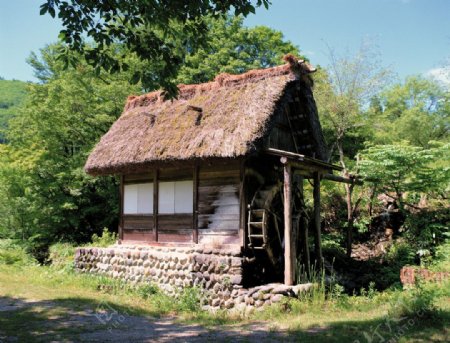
[87, 320]
[380, 330]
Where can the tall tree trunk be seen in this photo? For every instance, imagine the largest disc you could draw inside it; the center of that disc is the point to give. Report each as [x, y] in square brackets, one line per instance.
[348, 200]
[372, 192]
[350, 216]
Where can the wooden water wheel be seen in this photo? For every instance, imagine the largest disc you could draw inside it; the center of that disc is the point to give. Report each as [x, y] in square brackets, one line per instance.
[265, 228]
[264, 225]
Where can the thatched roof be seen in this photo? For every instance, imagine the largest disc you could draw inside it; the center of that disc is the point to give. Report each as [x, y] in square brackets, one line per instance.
[222, 118]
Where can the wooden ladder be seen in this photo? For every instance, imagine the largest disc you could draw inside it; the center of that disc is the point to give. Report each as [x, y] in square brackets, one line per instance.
[257, 229]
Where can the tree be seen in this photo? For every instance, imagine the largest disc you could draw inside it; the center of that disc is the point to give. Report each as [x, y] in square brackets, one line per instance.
[150, 29]
[12, 95]
[403, 108]
[342, 92]
[400, 169]
[49, 195]
[233, 48]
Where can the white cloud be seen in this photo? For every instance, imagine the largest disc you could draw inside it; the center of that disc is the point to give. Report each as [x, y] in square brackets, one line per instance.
[441, 75]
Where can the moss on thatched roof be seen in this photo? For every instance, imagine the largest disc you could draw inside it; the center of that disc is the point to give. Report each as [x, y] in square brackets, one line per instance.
[222, 118]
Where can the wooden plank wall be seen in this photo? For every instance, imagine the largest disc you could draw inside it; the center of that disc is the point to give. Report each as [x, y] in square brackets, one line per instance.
[138, 228]
[218, 204]
[217, 220]
[175, 228]
[281, 136]
[295, 125]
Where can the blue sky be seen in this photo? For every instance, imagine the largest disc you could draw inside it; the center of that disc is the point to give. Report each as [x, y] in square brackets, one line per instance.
[413, 36]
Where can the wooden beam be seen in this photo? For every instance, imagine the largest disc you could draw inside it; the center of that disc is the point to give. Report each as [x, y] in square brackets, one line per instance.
[317, 226]
[337, 178]
[289, 253]
[283, 153]
[155, 202]
[121, 204]
[303, 162]
[306, 174]
[195, 207]
[307, 166]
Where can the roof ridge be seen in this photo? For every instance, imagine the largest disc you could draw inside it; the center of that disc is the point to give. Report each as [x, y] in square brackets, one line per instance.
[294, 66]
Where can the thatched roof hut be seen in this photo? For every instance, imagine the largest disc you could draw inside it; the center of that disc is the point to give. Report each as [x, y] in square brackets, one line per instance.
[222, 165]
[224, 118]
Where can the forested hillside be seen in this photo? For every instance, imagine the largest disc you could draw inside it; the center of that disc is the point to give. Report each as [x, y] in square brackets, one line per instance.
[12, 95]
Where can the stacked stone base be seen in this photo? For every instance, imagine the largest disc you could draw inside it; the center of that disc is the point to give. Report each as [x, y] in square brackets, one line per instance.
[218, 272]
[247, 299]
[409, 275]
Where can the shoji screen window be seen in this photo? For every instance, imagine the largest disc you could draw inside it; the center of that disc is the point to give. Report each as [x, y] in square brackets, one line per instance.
[138, 198]
[176, 197]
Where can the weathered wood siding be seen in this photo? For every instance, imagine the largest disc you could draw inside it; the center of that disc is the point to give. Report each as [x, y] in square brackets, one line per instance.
[175, 228]
[218, 203]
[218, 207]
[281, 136]
[295, 125]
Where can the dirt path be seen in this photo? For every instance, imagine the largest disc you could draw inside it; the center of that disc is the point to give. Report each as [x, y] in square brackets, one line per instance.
[50, 321]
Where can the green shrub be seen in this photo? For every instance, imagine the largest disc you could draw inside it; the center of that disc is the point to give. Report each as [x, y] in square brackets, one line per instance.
[426, 230]
[371, 291]
[337, 295]
[337, 292]
[332, 244]
[441, 260]
[62, 255]
[189, 299]
[417, 302]
[147, 290]
[12, 253]
[399, 254]
[105, 240]
[361, 224]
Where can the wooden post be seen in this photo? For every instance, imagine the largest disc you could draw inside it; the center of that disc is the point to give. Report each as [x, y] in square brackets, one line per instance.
[242, 206]
[305, 244]
[289, 253]
[122, 195]
[303, 231]
[195, 207]
[317, 234]
[155, 202]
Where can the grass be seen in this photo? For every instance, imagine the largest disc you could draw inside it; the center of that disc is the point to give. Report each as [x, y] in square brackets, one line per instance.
[47, 298]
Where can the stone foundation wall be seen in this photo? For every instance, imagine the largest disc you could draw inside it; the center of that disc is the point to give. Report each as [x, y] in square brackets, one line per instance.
[409, 275]
[218, 272]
